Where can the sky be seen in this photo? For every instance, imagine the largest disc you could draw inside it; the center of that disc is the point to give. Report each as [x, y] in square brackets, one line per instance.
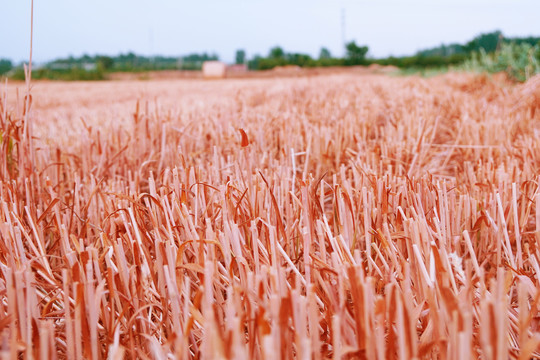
[173, 28]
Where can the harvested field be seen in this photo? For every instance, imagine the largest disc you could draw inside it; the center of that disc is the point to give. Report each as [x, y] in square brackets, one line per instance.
[342, 216]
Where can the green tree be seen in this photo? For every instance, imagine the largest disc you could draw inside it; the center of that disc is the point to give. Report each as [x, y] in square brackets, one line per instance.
[276, 53]
[253, 64]
[356, 54]
[5, 66]
[105, 62]
[324, 54]
[302, 60]
[240, 56]
[489, 42]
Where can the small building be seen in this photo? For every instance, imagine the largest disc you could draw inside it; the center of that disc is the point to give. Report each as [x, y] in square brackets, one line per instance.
[89, 66]
[214, 69]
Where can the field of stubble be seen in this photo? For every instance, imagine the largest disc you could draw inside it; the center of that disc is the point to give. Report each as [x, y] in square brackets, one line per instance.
[339, 216]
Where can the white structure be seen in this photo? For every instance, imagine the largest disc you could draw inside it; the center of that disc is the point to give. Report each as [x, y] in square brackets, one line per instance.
[214, 69]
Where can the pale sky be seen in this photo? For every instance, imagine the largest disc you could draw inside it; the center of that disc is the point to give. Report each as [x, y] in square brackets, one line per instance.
[167, 27]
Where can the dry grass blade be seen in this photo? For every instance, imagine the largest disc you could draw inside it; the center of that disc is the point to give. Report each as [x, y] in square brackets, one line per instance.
[364, 217]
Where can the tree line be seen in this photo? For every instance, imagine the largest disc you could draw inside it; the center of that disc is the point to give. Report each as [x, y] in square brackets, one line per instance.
[437, 57]
[96, 67]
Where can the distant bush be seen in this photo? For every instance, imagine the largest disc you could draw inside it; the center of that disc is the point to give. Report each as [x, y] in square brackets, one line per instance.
[356, 55]
[422, 61]
[5, 66]
[74, 74]
[519, 60]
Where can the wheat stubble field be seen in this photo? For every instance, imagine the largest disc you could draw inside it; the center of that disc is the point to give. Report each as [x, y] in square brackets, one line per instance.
[339, 216]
